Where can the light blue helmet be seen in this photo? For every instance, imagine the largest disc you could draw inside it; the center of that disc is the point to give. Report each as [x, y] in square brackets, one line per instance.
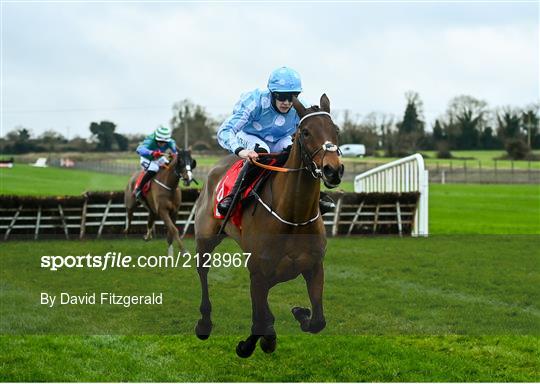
[284, 79]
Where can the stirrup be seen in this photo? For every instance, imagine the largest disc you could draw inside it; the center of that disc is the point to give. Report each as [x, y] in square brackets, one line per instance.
[139, 194]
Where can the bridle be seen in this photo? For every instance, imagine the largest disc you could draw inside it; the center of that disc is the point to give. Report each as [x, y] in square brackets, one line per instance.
[178, 172]
[307, 158]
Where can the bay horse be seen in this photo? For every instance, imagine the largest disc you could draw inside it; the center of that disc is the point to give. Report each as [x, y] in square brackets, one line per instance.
[284, 232]
[164, 196]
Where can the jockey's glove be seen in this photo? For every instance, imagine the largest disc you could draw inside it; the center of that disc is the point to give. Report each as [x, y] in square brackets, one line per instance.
[157, 154]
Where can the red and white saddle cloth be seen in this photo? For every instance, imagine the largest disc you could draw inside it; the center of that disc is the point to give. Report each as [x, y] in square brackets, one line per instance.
[226, 185]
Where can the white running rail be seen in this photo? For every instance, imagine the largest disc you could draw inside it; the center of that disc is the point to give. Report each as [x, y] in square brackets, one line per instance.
[403, 175]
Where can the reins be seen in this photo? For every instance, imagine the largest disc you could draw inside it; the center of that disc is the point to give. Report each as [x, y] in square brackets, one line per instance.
[273, 167]
[307, 158]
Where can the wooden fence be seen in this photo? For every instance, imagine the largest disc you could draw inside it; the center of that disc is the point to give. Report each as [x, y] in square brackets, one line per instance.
[102, 214]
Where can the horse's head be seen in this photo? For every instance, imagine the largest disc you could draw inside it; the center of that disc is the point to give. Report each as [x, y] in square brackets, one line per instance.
[317, 136]
[184, 166]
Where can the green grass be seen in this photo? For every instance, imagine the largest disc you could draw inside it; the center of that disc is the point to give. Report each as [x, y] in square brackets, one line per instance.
[446, 308]
[302, 358]
[27, 180]
[484, 208]
[481, 208]
[486, 158]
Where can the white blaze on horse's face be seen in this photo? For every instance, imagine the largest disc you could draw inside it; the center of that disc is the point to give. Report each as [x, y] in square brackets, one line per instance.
[189, 173]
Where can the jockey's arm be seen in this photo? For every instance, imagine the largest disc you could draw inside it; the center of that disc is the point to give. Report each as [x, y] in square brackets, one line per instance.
[143, 151]
[243, 113]
[226, 134]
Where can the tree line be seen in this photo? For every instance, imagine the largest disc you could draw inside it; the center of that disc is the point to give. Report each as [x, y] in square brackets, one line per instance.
[467, 124]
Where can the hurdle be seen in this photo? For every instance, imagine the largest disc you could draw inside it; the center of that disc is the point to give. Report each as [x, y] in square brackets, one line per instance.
[404, 175]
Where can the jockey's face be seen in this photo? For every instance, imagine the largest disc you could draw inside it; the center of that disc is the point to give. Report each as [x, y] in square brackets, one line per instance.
[161, 143]
[283, 106]
[284, 100]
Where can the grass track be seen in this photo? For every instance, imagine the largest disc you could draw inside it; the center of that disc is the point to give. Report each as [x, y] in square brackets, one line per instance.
[446, 308]
[30, 181]
[302, 358]
[452, 308]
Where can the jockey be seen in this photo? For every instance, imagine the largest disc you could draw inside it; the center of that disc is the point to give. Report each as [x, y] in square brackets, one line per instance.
[263, 121]
[151, 150]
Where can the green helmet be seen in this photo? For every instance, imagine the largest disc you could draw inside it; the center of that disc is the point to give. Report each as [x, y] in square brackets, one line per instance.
[163, 133]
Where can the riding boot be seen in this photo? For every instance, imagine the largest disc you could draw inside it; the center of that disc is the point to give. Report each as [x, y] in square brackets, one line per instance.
[326, 203]
[245, 177]
[146, 178]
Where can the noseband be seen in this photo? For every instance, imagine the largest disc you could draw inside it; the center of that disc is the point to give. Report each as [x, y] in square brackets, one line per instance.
[308, 158]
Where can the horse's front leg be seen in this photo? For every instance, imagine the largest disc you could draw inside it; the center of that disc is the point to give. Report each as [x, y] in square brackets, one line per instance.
[315, 283]
[262, 320]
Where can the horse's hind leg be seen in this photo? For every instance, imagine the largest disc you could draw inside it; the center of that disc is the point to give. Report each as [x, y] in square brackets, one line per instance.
[129, 218]
[131, 205]
[315, 282]
[263, 320]
[204, 247]
[169, 218]
[149, 226]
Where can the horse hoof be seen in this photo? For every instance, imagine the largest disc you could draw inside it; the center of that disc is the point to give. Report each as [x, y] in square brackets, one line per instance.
[268, 344]
[203, 330]
[244, 350]
[316, 326]
[300, 313]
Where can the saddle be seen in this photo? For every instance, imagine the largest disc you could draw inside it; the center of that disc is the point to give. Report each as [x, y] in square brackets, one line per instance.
[226, 184]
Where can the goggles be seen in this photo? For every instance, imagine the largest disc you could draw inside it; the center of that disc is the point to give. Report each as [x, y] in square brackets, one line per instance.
[285, 96]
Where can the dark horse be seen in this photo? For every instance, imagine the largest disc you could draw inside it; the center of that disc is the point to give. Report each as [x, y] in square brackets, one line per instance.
[164, 197]
[285, 240]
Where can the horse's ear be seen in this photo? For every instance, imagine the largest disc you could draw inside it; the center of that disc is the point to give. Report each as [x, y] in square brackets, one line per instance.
[300, 109]
[325, 103]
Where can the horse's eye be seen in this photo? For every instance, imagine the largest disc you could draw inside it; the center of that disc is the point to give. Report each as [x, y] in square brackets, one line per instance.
[305, 133]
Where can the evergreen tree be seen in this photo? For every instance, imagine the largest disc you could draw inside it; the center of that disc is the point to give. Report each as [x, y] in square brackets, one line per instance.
[411, 128]
[438, 133]
[530, 121]
[107, 139]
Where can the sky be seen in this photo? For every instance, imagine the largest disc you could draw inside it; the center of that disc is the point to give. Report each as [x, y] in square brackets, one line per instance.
[65, 64]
